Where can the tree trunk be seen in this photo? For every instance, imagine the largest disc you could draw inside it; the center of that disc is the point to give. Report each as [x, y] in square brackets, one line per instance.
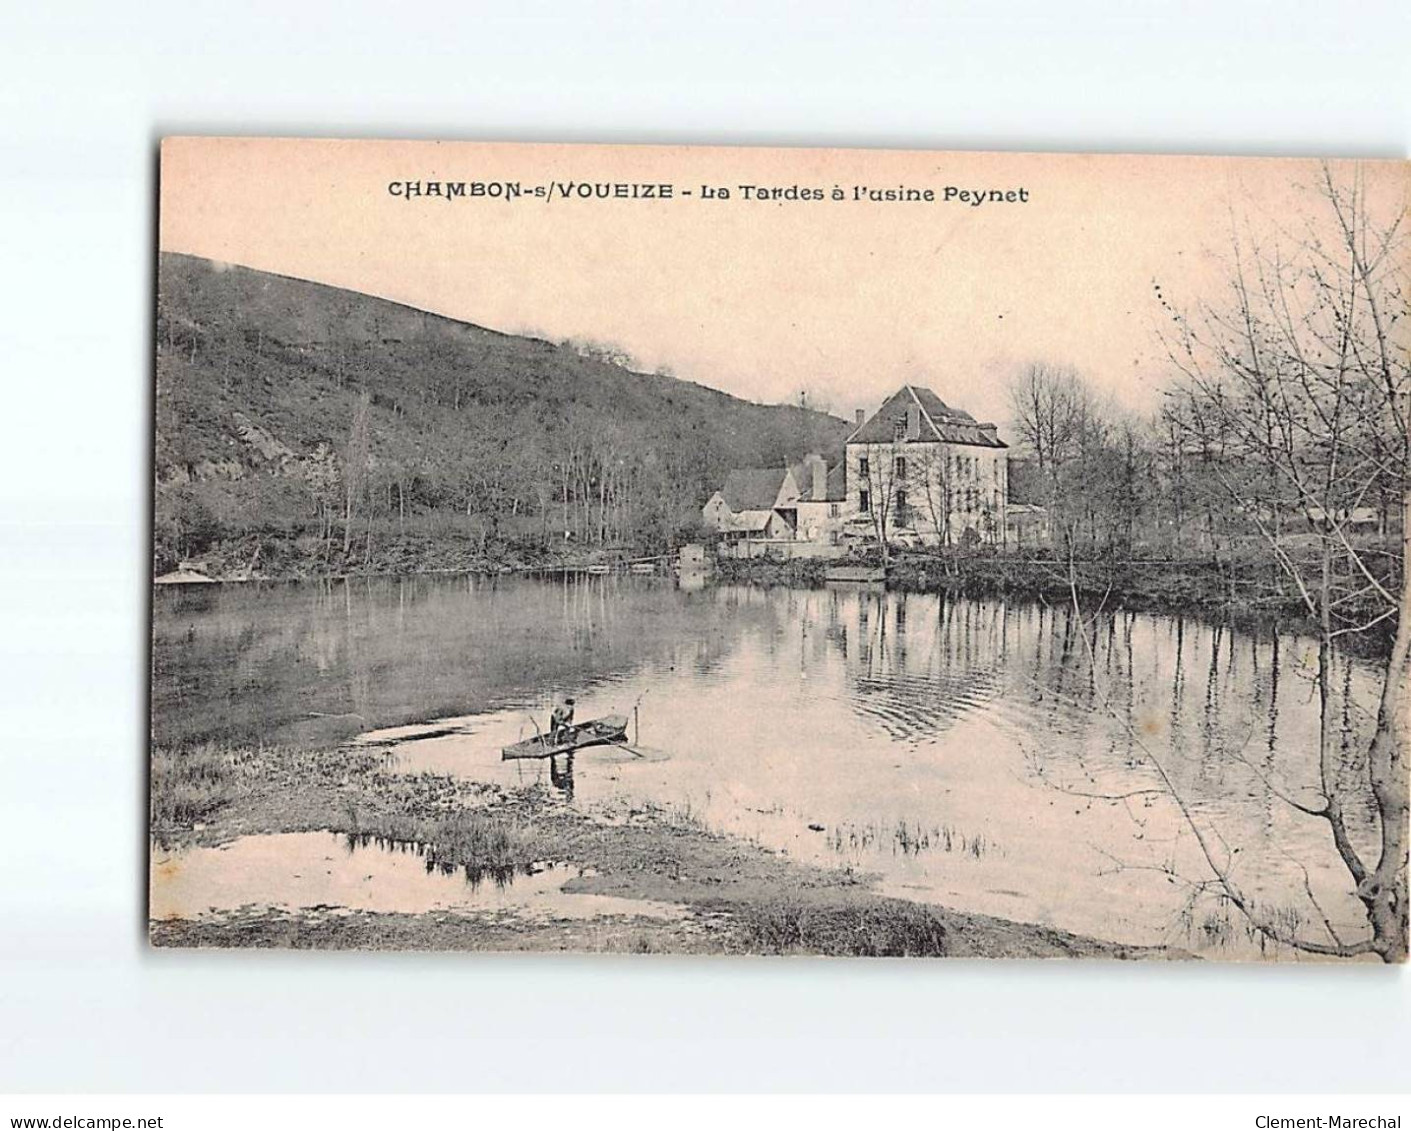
[1383, 891]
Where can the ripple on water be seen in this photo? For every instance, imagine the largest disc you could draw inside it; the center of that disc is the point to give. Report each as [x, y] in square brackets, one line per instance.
[919, 707]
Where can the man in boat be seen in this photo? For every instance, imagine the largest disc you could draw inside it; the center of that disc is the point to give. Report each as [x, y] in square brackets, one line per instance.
[561, 722]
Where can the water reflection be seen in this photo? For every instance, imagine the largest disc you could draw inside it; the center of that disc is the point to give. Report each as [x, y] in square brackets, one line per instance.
[502, 875]
[561, 774]
[844, 726]
[327, 872]
[313, 663]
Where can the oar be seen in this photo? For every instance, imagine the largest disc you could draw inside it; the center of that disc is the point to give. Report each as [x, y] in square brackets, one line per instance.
[630, 750]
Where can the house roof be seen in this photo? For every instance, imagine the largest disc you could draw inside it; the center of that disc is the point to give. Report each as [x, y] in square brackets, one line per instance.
[753, 489]
[750, 520]
[838, 482]
[939, 422]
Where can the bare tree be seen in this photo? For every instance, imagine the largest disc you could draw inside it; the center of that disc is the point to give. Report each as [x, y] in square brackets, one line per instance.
[1091, 457]
[1047, 401]
[1292, 395]
[884, 476]
[1055, 417]
[355, 466]
[934, 472]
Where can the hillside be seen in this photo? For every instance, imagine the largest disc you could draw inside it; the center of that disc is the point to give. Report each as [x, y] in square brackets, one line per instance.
[303, 428]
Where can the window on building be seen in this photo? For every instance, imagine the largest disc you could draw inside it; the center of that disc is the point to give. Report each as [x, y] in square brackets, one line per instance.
[862, 465]
[864, 502]
[832, 510]
[899, 428]
[903, 511]
[899, 467]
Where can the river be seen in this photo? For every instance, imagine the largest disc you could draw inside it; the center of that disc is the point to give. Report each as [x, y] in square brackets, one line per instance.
[991, 756]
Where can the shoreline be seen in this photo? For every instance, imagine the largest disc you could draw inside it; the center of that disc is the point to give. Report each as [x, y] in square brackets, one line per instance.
[736, 897]
[1241, 588]
[1241, 597]
[1195, 588]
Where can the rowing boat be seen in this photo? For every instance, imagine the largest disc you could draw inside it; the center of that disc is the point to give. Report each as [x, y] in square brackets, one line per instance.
[596, 732]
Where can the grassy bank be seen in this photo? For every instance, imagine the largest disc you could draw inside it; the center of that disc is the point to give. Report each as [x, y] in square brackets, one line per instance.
[1147, 585]
[795, 573]
[736, 897]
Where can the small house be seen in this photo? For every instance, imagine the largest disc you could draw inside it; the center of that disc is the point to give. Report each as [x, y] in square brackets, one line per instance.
[783, 511]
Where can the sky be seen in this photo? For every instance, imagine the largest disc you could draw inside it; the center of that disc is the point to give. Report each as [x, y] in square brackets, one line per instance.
[765, 299]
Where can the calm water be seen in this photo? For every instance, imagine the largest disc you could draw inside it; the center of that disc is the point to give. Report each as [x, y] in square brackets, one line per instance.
[337, 873]
[960, 749]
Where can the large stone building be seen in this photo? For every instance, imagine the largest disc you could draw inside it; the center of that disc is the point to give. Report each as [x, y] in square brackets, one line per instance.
[917, 471]
[918, 468]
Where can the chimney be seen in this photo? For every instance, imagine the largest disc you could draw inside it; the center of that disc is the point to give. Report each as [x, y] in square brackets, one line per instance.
[913, 421]
[861, 417]
[819, 477]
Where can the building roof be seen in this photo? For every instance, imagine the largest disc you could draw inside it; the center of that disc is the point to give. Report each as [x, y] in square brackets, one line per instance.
[939, 422]
[753, 489]
[838, 482]
[750, 520]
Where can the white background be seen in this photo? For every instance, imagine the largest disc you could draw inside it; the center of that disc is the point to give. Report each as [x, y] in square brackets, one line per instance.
[85, 91]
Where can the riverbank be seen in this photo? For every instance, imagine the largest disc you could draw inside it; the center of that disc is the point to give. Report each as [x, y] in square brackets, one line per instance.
[1142, 585]
[412, 556]
[437, 551]
[727, 896]
[249, 558]
[1252, 595]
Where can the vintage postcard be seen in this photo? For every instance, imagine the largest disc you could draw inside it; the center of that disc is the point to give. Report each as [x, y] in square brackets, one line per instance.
[780, 551]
